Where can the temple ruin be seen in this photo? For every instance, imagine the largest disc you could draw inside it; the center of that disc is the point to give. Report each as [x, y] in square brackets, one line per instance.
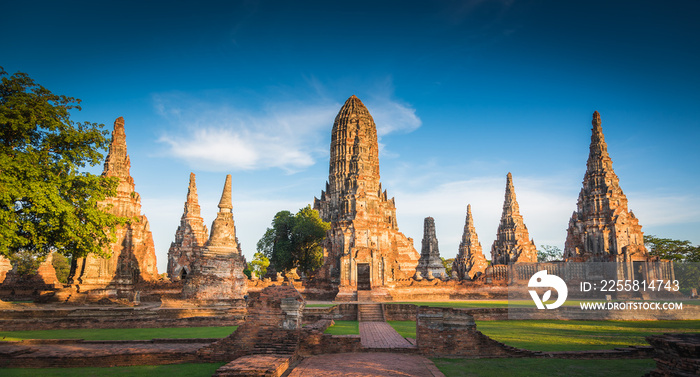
[190, 235]
[513, 243]
[470, 262]
[217, 272]
[133, 257]
[430, 265]
[602, 228]
[364, 249]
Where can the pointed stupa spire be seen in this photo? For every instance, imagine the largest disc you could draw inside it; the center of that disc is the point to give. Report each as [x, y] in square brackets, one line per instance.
[225, 202]
[192, 208]
[602, 226]
[430, 262]
[470, 261]
[117, 163]
[512, 240]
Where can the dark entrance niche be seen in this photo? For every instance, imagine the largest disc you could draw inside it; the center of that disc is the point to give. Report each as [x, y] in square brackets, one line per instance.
[638, 272]
[363, 283]
[183, 274]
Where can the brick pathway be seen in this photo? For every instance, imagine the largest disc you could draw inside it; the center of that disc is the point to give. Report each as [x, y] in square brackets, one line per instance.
[366, 364]
[381, 335]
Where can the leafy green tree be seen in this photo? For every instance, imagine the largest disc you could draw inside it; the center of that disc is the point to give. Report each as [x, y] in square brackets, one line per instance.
[62, 266]
[259, 264]
[675, 250]
[549, 253]
[46, 203]
[294, 241]
[685, 259]
[448, 265]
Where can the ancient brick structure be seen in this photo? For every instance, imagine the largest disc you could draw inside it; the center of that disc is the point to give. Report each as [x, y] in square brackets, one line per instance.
[430, 263]
[133, 254]
[16, 286]
[470, 262]
[364, 248]
[602, 228]
[273, 325]
[217, 272]
[675, 355]
[5, 267]
[189, 237]
[512, 244]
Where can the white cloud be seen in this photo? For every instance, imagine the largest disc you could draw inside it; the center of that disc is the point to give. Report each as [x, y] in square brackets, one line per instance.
[292, 135]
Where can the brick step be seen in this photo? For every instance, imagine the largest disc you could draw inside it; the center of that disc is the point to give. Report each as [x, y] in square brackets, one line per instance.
[370, 312]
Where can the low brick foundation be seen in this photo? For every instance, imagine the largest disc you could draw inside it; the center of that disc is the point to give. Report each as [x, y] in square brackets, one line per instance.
[675, 355]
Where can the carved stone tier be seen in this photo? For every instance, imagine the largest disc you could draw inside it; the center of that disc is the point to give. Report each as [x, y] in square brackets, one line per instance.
[602, 228]
[364, 248]
[190, 236]
[430, 262]
[470, 262]
[512, 244]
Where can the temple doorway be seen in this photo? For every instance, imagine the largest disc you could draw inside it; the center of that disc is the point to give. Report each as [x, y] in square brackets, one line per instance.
[363, 283]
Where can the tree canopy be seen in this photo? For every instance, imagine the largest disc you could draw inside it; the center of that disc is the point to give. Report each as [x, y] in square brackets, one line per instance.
[294, 241]
[675, 250]
[549, 253]
[46, 203]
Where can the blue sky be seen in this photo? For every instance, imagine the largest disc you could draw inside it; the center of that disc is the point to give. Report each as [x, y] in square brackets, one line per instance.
[462, 92]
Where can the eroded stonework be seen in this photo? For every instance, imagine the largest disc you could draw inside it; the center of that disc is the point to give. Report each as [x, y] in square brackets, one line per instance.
[430, 262]
[133, 254]
[191, 235]
[602, 227]
[470, 262]
[217, 272]
[364, 248]
[512, 244]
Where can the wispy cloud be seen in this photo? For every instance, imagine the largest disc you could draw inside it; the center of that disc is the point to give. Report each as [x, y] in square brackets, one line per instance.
[290, 135]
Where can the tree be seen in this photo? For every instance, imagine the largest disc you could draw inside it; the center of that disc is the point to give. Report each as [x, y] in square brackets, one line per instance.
[685, 259]
[46, 203]
[675, 250]
[549, 253]
[448, 265]
[62, 266]
[294, 241]
[259, 264]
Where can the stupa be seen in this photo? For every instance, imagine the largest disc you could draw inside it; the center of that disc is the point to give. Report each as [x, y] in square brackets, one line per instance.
[364, 249]
[430, 261]
[512, 244]
[191, 235]
[470, 262]
[133, 254]
[602, 228]
[217, 272]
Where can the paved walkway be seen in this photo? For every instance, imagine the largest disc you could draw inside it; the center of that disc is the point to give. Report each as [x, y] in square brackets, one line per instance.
[381, 335]
[366, 364]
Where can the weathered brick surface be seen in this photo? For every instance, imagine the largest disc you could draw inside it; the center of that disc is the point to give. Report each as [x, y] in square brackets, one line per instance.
[675, 355]
[430, 265]
[452, 332]
[470, 262]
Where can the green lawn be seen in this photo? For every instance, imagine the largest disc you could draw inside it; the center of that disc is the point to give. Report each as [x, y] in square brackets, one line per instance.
[407, 329]
[554, 335]
[319, 305]
[460, 304]
[120, 334]
[542, 367]
[172, 370]
[345, 328]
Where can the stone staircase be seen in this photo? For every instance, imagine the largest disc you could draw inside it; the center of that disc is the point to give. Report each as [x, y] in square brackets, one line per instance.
[370, 313]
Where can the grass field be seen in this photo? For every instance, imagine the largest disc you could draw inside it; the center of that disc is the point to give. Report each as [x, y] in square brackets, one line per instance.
[568, 335]
[473, 304]
[173, 370]
[120, 334]
[345, 328]
[542, 367]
